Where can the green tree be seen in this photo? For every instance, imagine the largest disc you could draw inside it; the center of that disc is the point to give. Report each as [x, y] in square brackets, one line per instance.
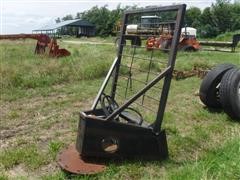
[67, 17]
[103, 18]
[222, 15]
[235, 16]
[99, 17]
[192, 17]
[79, 15]
[207, 17]
[208, 28]
[58, 20]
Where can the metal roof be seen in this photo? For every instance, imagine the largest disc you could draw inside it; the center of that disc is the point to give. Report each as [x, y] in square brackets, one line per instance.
[75, 22]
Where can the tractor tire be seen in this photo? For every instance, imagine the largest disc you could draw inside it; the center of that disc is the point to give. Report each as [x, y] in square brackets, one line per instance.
[136, 41]
[188, 48]
[230, 93]
[209, 91]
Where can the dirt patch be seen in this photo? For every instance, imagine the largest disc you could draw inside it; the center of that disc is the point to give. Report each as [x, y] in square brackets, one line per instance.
[18, 171]
[48, 169]
[40, 117]
[40, 120]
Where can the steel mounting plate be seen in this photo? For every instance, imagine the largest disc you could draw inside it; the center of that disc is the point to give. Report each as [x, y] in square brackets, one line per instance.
[70, 160]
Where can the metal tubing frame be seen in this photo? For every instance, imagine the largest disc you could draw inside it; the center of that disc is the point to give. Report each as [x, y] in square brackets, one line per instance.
[114, 69]
[119, 55]
[171, 63]
[104, 84]
[166, 74]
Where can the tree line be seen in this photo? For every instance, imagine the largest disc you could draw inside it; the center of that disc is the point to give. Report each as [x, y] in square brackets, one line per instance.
[221, 17]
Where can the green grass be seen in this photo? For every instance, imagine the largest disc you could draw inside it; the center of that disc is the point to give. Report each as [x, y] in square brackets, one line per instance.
[54, 148]
[227, 36]
[3, 177]
[220, 163]
[28, 155]
[205, 59]
[224, 37]
[41, 98]
[24, 70]
[109, 39]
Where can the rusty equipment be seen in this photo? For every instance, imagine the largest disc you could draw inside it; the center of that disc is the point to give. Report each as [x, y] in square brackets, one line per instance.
[135, 32]
[186, 43]
[71, 161]
[158, 33]
[196, 71]
[126, 117]
[43, 42]
[233, 44]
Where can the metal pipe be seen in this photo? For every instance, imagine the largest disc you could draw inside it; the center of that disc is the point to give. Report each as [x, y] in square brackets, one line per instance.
[171, 63]
[120, 50]
[104, 84]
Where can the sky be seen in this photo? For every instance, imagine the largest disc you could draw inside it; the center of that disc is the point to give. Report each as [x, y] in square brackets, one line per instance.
[23, 16]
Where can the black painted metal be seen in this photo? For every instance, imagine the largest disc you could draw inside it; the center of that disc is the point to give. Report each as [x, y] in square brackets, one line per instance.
[168, 78]
[110, 135]
[131, 141]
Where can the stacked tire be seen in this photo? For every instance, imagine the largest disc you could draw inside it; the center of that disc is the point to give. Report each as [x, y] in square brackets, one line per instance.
[220, 88]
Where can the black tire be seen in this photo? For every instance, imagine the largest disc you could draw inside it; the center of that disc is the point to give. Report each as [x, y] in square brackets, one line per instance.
[136, 41]
[209, 91]
[230, 93]
[188, 48]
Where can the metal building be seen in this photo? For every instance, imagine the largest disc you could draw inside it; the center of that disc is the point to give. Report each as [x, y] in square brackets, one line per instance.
[76, 27]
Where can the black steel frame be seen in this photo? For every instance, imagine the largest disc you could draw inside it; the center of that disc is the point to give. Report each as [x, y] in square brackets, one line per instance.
[93, 128]
[167, 74]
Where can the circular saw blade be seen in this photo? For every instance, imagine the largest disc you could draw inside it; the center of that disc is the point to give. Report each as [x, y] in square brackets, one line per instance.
[70, 160]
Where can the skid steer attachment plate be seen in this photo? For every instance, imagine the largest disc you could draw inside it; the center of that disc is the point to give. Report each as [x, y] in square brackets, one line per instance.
[125, 120]
[98, 138]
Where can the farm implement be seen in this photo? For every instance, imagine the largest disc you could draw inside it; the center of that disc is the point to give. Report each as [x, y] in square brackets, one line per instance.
[125, 120]
[45, 44]
[157, 31]
[220, 44]
[196, 71]
[187, 41]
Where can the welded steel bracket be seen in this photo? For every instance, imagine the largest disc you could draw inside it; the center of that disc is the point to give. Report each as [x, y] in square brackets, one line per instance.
[111, 139]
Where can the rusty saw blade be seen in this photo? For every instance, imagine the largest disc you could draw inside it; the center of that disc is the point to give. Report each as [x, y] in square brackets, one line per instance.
[70, 160]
